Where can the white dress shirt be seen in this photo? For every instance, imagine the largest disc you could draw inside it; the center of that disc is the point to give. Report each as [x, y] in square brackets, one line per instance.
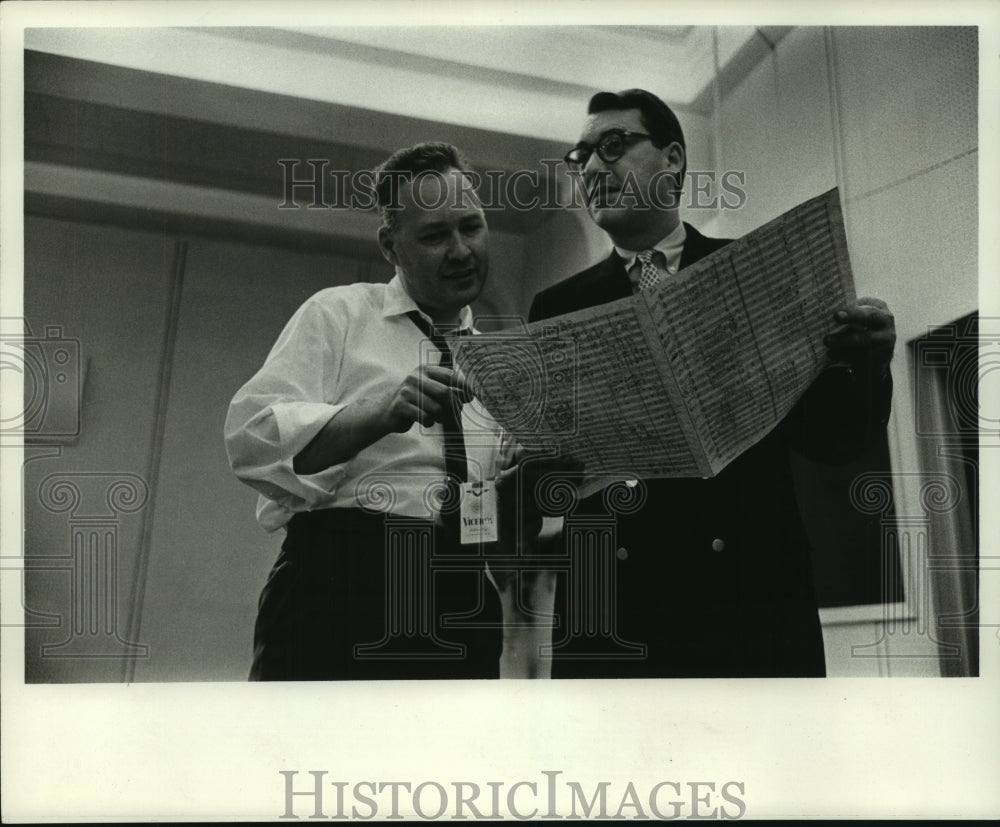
[671, 247]
[345, 344]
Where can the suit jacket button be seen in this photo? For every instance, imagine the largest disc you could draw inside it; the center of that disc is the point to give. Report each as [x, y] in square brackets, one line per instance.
[718, 545]
[622, 553]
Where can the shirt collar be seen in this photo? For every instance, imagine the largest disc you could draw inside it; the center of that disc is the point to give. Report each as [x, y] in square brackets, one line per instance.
[672, 246]
[397, 302]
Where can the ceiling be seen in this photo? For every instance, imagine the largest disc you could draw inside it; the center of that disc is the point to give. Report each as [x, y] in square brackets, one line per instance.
[180, 125]
[527, 80]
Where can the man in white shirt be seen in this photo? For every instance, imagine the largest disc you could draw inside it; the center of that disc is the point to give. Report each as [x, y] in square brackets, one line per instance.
[349, 433]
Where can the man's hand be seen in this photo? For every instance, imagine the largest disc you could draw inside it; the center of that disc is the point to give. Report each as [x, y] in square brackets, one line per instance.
[866, 334]
[424, 396]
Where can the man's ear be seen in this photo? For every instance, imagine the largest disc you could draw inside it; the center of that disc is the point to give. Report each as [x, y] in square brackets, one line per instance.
[385, 244]
[675, 155]
[676, 159]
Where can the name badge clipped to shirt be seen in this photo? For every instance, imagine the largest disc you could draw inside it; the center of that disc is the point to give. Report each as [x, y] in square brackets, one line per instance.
[479, 512]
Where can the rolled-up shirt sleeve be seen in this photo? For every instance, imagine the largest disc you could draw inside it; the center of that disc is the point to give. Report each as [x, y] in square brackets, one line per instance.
[284, 405]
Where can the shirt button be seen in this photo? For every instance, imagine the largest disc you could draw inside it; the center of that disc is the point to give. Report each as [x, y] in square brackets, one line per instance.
[718, 545]
[622, 553]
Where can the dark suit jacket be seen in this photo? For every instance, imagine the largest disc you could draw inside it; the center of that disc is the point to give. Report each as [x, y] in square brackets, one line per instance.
[714, 576]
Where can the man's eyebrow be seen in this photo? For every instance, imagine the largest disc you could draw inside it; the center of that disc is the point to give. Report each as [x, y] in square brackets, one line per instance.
[440, 223]
[433, 225]
[600, 135]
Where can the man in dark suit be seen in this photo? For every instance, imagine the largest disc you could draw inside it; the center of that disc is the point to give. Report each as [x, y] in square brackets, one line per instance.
[710, 577]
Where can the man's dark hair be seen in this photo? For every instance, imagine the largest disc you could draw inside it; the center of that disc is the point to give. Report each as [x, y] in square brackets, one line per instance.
[404, 165]
[658, 119]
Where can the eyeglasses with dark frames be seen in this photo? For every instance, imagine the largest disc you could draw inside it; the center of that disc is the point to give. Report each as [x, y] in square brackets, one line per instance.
[610, 147]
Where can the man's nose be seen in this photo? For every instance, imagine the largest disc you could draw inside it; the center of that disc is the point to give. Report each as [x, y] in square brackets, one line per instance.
[593, 169]
[458, 249]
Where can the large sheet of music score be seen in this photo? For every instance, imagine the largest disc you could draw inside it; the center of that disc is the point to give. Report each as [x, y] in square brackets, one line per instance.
[679, 380]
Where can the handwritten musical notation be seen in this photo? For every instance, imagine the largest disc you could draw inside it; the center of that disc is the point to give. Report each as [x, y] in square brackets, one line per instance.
[680, 380]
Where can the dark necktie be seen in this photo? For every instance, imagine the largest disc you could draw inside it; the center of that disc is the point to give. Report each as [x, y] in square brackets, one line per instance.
[455, 461]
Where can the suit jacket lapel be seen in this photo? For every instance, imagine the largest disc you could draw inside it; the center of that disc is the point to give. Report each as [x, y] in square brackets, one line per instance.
[694, 247]
[611, 281]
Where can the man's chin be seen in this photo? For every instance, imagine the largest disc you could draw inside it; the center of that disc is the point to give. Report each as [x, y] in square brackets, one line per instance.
[608, 218]
[466, 288]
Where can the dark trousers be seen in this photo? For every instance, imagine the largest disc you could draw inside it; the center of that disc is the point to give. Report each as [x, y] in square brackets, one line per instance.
[358, 596]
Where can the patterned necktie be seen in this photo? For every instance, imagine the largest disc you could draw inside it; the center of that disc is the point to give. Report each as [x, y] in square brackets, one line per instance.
[650, 275]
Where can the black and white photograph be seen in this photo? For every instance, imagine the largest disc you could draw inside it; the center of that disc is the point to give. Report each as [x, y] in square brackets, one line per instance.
[440, 411]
